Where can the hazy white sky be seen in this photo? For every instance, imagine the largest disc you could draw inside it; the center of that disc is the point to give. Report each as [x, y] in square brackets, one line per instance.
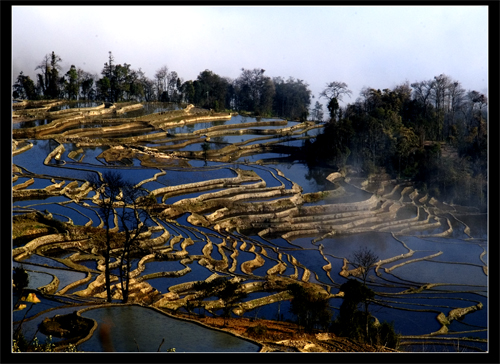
[379, 46]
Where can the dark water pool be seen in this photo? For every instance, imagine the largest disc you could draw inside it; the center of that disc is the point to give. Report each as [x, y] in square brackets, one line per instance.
[135, 329]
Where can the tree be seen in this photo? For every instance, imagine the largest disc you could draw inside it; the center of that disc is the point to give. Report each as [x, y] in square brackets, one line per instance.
[132, 216]
[407, 143]
[255, 92]
[187, 91]
[20, 279]
[24, 88]
[332, 145]
[53, 88]
[317, 112]
[107, 188]
[107, 85]
[171, 84]
[104, 89]
[350, 320]
[476, 102]
[230, 295]
[48, 80]
[73, 86]
[43, 78]
[224, 289]
[334, 92]
[147, 85]
[311, 309]
[210, 91]
[136, 85]
[205, 147]
[128, 206]
[292, 98]
[87, 86]
[362, 260]
[120, 82]
[161, 81]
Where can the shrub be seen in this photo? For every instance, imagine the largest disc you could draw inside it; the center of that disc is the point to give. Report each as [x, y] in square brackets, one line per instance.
[386, 336]
[258, 330]
[20, 278]
[20, 344]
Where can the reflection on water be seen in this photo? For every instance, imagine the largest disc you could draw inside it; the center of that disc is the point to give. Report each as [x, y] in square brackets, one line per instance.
[133, 328]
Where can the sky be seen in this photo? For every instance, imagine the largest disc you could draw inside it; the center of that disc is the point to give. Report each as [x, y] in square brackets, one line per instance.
[363, 46]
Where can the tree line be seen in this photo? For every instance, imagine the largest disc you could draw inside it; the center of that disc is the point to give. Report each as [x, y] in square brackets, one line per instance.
[433, 132]
[252, 91]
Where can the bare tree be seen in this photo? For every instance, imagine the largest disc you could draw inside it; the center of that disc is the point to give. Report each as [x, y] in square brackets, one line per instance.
[43, 78]
[128, 205]
[107, 186]
[132, 215]
[363, 259]
[161, 80]
[335, 90]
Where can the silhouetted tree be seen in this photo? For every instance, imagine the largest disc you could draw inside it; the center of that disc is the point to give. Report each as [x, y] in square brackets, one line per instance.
[334, 93]
[128, 205]
[20, 279]
[309, 308]
[132, 215]
[53, 88]
[72, 86]
[350, 321]
[364, 259]
[24, 88]
[107, 189]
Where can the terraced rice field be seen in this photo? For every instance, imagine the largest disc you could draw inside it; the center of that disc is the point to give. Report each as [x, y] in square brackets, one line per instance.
[240, 209]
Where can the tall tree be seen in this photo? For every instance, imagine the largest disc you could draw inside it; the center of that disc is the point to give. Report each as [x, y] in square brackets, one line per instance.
[73, 86]
[106, 85]
[188, 92]
[133, 216]
[161, 81]
[44, 76]
[107, 188]
[334, 92]
[147, 85]
[311, 309]
[255, 91]
[104, 89]
[87, 84]
[350, 320]
[53, 89]
[292, 98]
[48, 80]
[24, 88]
[363, 260]
[210, 90]
[317, 112]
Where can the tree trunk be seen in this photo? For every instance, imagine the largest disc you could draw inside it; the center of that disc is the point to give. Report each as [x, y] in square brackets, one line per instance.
[106, 272]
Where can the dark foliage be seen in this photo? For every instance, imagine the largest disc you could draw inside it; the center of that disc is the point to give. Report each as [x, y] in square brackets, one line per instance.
[20, 279]
[310, 309]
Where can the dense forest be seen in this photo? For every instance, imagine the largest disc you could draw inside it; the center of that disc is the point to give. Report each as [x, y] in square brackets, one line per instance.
[433, 132]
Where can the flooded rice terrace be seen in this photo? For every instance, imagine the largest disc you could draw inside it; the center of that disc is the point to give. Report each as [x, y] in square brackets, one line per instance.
[231, 202]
